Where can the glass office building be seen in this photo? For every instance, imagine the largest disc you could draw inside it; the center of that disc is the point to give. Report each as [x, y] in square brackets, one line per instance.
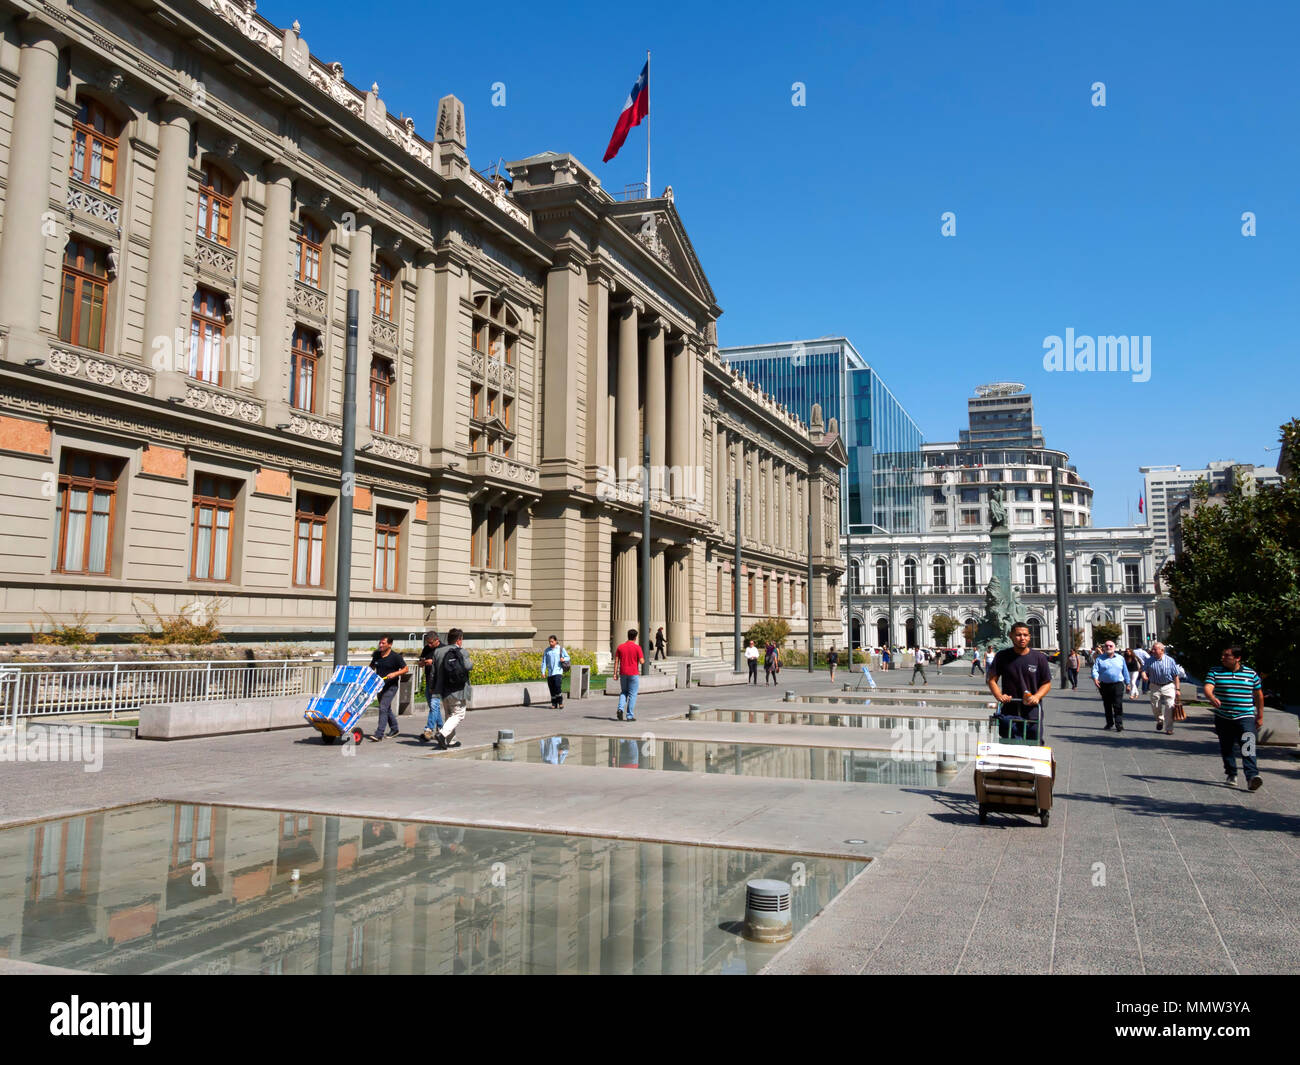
[881, 490]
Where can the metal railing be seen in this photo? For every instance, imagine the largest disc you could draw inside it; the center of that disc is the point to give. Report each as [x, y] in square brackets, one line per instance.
[114, 688]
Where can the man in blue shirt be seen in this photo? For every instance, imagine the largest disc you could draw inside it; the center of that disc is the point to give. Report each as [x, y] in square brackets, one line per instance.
[554, 660]
[1110, 674]
[1162, 673]
[1238, 700]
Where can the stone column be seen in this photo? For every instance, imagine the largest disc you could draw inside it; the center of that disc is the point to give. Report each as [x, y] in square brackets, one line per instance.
[770, 483]
[681, 454]
[681, 895]
[658, 590]
[656, 398]
[623, 873]
[625, 591]
[27, 194]
[598, 373]
[628, 412]
[423, 383]
[359, 278]
[273, 340]
[650, 940]
[169, 228]
[756, 496]
[679, 613]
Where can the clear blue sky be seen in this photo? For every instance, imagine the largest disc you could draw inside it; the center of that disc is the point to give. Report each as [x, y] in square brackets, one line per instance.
[825, 219]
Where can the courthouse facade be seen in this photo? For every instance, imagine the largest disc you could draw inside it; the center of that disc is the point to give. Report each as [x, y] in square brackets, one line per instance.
[187, 196]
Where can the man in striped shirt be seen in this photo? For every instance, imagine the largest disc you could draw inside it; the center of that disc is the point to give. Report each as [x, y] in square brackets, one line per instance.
[1162, 673]
[1238, 700]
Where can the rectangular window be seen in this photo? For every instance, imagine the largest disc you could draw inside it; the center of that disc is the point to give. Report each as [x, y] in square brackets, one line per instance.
[381, 383]
[84, 295]
[1019, 475]
[939, 519]
[207, 335]
[216, 193]
[490, 539]
[750, 583]
[1024, 517]
[384, 291]
[767, 596]
[191, 837]
[94, 147]
[1048, 517]
[388, 531]
[214, 520]
[970, 517]
[1024, 495]
[507, 541]
[310, 523]
[1132, 577]
[302, 369]
[970, 495]
[59, 860]
[480, 336]
[84, 509]
[310, 241]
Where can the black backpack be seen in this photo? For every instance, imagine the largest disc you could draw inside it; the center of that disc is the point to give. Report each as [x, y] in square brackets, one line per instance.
[455, 674]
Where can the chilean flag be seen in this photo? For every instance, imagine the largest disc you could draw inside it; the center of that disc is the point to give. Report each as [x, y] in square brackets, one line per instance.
[1141, 504]
[636, 108]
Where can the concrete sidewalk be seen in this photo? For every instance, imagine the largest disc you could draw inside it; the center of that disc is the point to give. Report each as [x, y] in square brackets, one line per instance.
[1151, 864]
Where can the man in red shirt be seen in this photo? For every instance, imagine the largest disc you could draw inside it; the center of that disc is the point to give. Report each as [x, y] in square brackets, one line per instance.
[627, 665]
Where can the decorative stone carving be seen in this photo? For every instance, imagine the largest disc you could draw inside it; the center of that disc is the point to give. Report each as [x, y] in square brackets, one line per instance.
[382, 445]
[403, 134]
[135, 381]
[451, 122]
[489, 586]
[330, 81]
[102, 373]
[497, 194]
[651, 240]
[87, 202]
[224, 405]
[67, 363]
[242, 14]
[322, 431]
[210, 254]
[383, 332]
[309, 299]
[505, 588]
[471, 586]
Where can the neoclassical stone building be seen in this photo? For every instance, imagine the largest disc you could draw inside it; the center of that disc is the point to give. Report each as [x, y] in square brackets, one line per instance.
[188, 195]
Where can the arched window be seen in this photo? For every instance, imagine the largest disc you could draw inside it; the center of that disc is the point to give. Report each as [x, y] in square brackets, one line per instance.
[1035, 631]
[216, 205]
[1031, 574]
[1098, 575]
[882, 632]
[968, 577]
[912, 640]
[882, 576]
[94, 147]
[940, 573]
[909, 576]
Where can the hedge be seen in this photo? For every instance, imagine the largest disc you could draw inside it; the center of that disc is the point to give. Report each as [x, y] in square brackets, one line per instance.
[505, 666]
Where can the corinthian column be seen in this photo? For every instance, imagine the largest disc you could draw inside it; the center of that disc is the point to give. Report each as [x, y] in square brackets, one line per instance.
[168, 230]
[680, 452]
[625, 591]
[679, 620]
[423, 384]
[627, 415]
[31, 147]
[658, 588]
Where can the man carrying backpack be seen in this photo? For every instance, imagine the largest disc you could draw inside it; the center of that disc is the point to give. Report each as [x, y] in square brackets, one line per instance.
[451, 670]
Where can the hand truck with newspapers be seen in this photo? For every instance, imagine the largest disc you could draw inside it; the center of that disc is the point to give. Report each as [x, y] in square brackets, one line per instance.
[337, 709]
[1015, 774]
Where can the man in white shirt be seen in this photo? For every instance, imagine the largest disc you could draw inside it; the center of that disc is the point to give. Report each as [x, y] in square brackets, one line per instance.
[751, 659]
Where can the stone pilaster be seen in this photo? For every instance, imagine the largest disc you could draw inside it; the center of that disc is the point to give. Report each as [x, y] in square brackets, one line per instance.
[625, 591]
[167, 235]
[628, 414]
[425, 386]
[273, 339]
[598, 358]
[359, 278]
[680, 453]
[27, 192]
[658, 589]
[656, 420]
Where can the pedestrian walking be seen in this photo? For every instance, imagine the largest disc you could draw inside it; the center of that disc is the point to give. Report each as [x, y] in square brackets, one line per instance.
[390, 666]
[976, 662]
[555, 663]
[452, 666]
[886, 659]
[1162, 674]
[833, 660]
[938, 660]
[1238, 700]
[988, 659]
[628, 657]
[1019, 678]
[770, 664]
[1134, 668]
[1143, 657]
[659, 644]
[918, 666]
[751, 658]
[1110, 674]
[1072, 670]
[431, 697]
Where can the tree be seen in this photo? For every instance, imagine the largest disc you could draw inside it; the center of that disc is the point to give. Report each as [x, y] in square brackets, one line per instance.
[1237, 580]
[1105, 630]
[1076, 639]
[968, 633]
[943, 626]
[769, 630]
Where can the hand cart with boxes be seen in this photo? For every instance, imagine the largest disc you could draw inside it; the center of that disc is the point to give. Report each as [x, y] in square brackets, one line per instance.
[1016, 774]
[337, 709]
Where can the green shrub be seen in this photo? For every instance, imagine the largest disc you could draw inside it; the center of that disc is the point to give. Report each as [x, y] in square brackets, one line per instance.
[66, 634]
[499, 665]
[800, 658]
[769, 630]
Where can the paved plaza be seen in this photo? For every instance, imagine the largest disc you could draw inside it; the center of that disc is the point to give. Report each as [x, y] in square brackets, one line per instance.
[1150, 863]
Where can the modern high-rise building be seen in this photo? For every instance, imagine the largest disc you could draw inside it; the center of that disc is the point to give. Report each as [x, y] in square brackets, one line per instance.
[1167, 486]
[881, 490]
[1001, 415]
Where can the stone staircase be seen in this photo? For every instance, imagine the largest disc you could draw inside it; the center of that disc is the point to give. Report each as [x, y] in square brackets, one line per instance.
[702, 664]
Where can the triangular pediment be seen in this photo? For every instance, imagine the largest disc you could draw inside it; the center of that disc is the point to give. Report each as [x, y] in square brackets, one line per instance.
[662, 236]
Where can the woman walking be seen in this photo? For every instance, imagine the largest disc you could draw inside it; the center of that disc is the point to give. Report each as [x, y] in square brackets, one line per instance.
[555, 663]
[1072, 670]
[771, 664]
[832, 660]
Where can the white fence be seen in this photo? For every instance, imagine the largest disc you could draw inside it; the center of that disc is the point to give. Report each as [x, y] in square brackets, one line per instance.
[113, 688]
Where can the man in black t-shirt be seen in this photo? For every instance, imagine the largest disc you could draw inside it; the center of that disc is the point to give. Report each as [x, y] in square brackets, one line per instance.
[389, 665]
[1019, 678]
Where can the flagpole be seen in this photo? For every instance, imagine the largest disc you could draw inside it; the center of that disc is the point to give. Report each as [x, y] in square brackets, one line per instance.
[647, 125]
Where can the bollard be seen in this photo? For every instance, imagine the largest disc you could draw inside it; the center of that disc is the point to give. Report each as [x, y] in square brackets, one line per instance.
[789, 697]
[505, 745]
[767, 911]
[693, 712]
